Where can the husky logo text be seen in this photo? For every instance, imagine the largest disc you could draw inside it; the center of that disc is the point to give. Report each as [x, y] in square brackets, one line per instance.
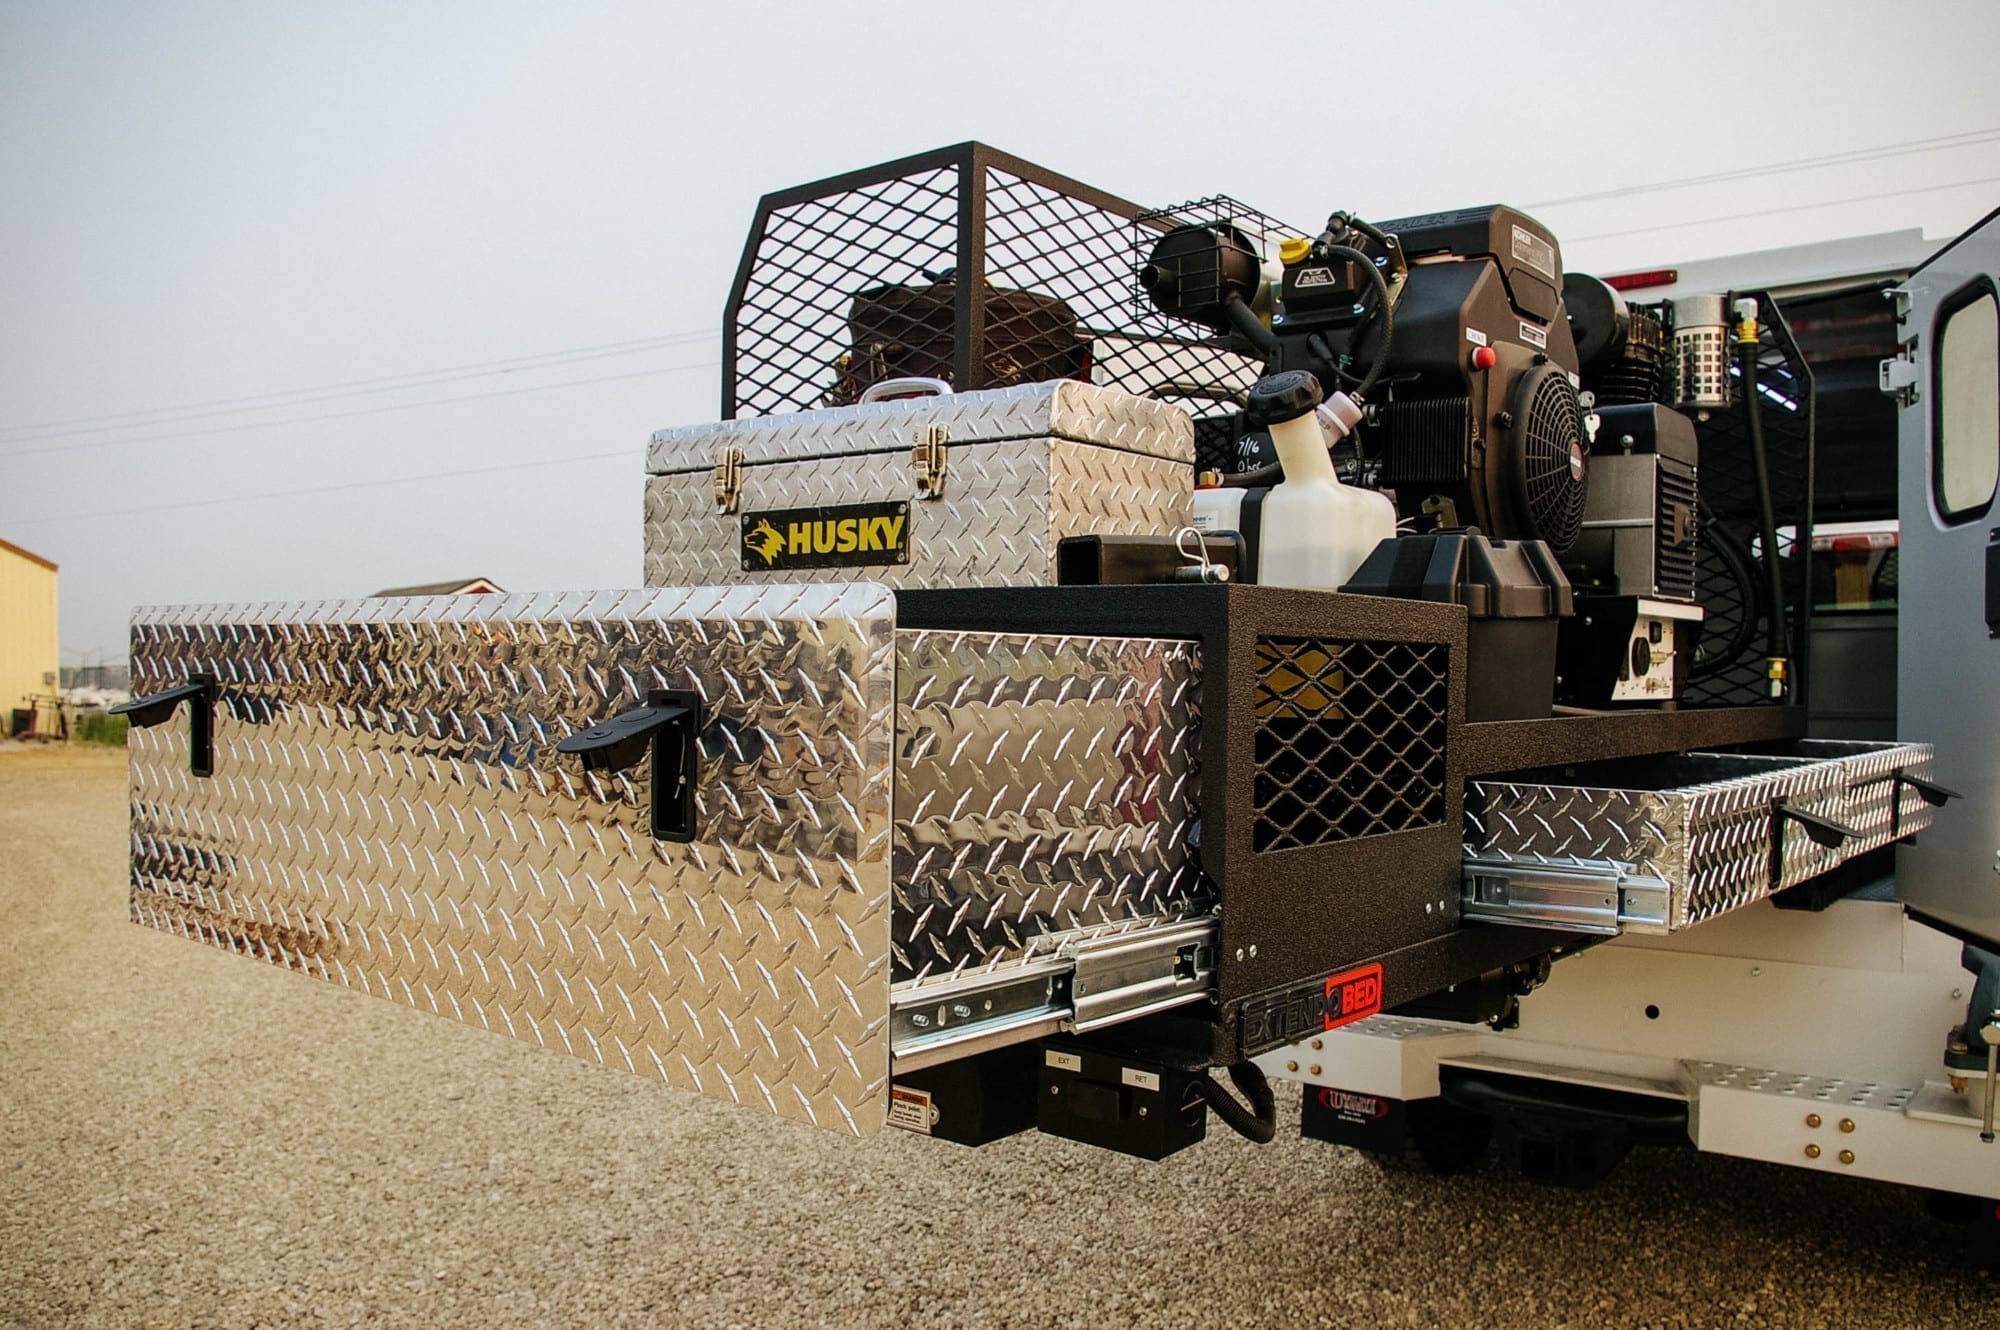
[842, 535]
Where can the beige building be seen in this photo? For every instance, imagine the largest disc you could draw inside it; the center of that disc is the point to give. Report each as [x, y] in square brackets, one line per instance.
[28, 656]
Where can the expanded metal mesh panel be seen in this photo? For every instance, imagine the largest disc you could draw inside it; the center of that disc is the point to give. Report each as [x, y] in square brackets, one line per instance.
[965, 265]
[807, 265]
[1046, 790]
[1349, 741]
[388, 812]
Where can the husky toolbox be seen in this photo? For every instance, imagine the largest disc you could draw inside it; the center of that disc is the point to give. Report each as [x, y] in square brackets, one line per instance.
[966, 489]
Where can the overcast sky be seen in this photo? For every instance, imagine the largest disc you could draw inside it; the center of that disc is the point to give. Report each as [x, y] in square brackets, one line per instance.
[203, 203]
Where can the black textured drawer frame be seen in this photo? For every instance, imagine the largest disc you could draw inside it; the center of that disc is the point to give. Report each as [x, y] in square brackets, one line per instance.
[1293, 917]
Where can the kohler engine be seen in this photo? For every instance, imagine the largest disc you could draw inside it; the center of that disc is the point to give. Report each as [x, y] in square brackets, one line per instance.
[1450, 327]
[1493, 387]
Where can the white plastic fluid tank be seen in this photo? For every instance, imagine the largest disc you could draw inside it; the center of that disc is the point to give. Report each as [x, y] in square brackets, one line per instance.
[1316, 531]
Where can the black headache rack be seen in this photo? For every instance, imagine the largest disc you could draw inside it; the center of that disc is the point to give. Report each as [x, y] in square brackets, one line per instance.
[963, 264]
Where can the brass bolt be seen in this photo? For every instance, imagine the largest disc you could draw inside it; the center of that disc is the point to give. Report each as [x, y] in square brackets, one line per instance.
[1847, 1124]
[1319, 1043]
[1812, 1119]
[1847, 1156]
[1812, 1151]
[1315, 1068]
[1291, 1066]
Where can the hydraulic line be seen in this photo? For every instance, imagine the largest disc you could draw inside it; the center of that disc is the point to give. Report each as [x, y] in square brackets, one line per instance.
[1748, 349]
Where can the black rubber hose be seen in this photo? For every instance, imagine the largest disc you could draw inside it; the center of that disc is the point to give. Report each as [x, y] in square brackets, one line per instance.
[1767, 512]
[1368, 229]
[1381, 361]
[1259, 1122]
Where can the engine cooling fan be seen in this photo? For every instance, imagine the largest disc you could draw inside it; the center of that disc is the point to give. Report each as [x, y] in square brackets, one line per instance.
[1546, 462]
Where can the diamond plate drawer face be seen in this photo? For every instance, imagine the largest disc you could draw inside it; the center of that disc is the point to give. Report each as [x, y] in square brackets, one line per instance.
[1046, 791]
[388, 812]
[1004, 508]
[1710, 843]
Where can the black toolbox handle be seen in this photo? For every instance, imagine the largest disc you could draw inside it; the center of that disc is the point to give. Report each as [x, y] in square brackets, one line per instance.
[199, 693]
[668, 726]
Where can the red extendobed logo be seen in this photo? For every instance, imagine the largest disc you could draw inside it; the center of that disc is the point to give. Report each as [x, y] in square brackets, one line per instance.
[1353, 995]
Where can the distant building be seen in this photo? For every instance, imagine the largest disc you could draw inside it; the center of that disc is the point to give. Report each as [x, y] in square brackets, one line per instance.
[29, 672]
[476, 586]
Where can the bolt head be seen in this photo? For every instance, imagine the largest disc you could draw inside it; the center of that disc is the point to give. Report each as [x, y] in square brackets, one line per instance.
[1847, 1124]
[1812, 1152]
[1847, 1156]
[1812, 1119]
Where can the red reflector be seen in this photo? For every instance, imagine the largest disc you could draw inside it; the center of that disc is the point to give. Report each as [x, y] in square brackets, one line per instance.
[1639, 281]
[1878, 540]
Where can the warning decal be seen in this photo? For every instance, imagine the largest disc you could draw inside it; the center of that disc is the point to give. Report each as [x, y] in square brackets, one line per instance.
[911, 1110]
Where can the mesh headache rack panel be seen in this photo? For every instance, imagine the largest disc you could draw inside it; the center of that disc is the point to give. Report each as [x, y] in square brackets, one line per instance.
[967, 265]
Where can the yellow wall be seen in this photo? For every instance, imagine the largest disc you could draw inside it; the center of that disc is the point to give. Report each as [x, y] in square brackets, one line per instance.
[27, 634]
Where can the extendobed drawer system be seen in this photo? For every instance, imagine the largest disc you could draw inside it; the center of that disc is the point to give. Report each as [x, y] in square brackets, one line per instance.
[821, 833]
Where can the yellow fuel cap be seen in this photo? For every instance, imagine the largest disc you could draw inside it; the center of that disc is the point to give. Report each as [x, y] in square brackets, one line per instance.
[1293, 248]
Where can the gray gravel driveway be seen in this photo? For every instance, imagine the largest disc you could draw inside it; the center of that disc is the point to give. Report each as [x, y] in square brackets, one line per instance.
[191, 1139]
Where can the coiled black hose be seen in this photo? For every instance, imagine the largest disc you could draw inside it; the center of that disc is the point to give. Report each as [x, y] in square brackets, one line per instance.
[1259, 1122]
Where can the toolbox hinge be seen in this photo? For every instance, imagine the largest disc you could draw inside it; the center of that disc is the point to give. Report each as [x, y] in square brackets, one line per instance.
[728, 479]
[929, 459]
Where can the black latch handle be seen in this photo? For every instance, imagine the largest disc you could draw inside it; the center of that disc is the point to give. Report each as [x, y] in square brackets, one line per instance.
[669, 725]
[1823, 830]
[1933, 793]
[155, 708]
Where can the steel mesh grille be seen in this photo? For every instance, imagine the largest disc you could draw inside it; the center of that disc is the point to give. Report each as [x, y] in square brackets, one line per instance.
[866, 281]
[813, 258]
[1350, 740]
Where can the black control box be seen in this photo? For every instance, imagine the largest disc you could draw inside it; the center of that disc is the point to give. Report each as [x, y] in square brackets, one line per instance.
[1102, 1096]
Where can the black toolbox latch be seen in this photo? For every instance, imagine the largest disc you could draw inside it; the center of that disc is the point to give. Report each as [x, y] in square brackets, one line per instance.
[155, 708]
[667, 726]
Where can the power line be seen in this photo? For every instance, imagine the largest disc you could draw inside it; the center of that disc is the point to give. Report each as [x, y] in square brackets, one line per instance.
[349, 415]
[1969, 138]
[386, 482]
[1796, 207]
[349, 388]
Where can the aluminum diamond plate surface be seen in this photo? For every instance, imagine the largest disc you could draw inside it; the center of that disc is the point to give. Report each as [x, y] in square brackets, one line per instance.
[1004, 508]
[1711, 842]
[1046, 791]
[1064, 409]
[388, 812]
[1870, 771]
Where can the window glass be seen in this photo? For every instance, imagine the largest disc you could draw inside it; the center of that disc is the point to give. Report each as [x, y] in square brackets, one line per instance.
[1967, 461]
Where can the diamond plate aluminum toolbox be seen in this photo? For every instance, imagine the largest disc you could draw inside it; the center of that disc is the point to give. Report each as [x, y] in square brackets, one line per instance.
[896, 836]
[1661, 843]
[972, 489]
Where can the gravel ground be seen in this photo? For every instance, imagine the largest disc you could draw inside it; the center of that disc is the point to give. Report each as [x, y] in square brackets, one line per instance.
[190, 1139]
